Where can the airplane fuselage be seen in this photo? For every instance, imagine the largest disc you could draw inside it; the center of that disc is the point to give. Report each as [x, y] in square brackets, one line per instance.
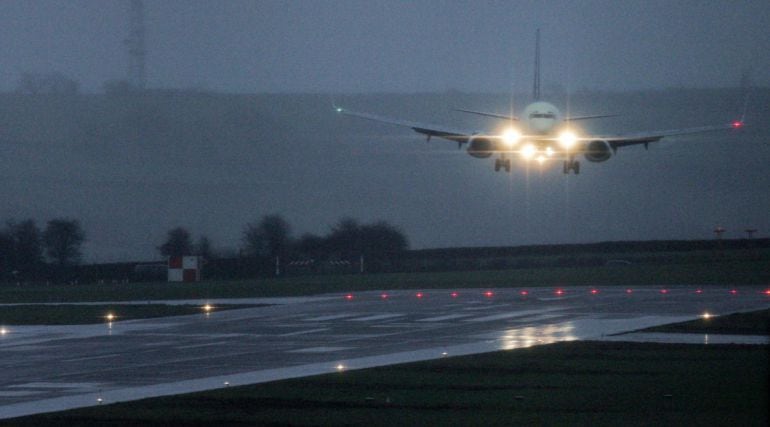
[541, 118]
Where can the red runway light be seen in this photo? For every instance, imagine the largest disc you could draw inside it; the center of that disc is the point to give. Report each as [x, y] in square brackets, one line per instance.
[734, 291]
[629, 291]
[524, 293]
[489, 294]
[737, 124]
[454, 294]
[594, 291]
[349, 297]
[699, 291]
[384, 296]
[664, 291]
[419, 295]
[559, 292]
[767, 292]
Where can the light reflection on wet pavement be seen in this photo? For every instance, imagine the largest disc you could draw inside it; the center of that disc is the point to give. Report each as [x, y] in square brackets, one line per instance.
[50, 368]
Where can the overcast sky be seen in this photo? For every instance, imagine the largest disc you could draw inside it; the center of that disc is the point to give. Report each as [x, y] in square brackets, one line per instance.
[382, 46]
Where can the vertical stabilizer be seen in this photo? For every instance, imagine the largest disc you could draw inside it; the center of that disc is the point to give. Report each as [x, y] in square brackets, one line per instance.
[536, 85]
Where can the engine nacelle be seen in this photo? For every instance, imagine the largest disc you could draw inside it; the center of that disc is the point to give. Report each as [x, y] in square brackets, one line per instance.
[481, 147]
[598, 151]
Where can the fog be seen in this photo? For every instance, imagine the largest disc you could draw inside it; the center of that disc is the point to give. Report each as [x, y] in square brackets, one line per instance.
[402, 46]
[250, 131]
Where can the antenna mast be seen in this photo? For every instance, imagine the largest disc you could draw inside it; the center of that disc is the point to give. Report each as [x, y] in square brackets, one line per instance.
[536, 86]
[136, 45]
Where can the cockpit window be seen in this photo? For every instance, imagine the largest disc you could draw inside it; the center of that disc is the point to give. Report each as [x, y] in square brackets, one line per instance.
[542, 116]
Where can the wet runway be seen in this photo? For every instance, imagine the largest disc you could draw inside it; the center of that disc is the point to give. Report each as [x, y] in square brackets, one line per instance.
[58, 367]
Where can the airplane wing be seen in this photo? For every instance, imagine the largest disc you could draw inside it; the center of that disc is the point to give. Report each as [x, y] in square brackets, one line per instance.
[486, 114]
[617, 141]
[507, 117]
[599, 116]
[456, 135]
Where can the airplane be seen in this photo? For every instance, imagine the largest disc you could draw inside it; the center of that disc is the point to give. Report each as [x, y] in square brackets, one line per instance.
[549, 135]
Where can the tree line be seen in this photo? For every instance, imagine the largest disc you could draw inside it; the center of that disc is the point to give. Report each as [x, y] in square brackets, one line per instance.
[30, 253]
[271, 237]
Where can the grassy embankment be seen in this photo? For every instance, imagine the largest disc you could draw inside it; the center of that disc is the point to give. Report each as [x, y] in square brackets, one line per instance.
[731, 272]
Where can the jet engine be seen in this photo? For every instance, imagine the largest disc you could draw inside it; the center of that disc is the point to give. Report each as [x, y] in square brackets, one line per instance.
[481, 148]
[598, 151]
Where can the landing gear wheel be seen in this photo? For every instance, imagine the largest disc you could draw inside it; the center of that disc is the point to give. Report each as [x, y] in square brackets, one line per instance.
[571, 165]
[507, 165]
[498, 165]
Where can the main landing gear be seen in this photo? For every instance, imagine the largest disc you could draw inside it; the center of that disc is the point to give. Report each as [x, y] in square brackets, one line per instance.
[502, 163]
[571, 165]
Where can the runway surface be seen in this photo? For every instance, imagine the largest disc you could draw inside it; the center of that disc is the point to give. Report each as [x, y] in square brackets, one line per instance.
[48, 368]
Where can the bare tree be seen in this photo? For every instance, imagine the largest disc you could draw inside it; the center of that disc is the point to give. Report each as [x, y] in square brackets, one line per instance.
[203, 248]
[27, 247]
[270, 237]
[178, 243]
[63, 239]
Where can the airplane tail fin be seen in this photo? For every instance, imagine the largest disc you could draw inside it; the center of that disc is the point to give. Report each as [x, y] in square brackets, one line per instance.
[536, 84]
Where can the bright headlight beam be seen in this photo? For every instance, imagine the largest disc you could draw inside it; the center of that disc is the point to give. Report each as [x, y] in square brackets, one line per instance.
[528, 151]
[511, 137]
[567, 139]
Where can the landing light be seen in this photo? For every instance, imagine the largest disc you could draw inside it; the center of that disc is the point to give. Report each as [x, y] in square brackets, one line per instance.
[110, 317]
[567, 139]
[540, 159]
[511, 137]
[207, 308]
[340, 367]
[528, 151]
[3, 331]
[548, 151]
[707, 315]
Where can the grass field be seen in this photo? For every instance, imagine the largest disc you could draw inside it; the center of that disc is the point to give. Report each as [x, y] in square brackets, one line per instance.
[80, 314]
[568, 383]
[732, 272]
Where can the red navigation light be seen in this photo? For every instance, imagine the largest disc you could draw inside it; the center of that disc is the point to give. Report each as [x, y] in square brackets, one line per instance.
[419, 295]
[384, 296]
[559, 292]
[524, 293]
[489, 294]
[664, 291]
[629, 291]
[699, 291]
[594, 291]
[734, 291]
[454, 294]
[767, 292]
[349, 297]
[737, 124]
